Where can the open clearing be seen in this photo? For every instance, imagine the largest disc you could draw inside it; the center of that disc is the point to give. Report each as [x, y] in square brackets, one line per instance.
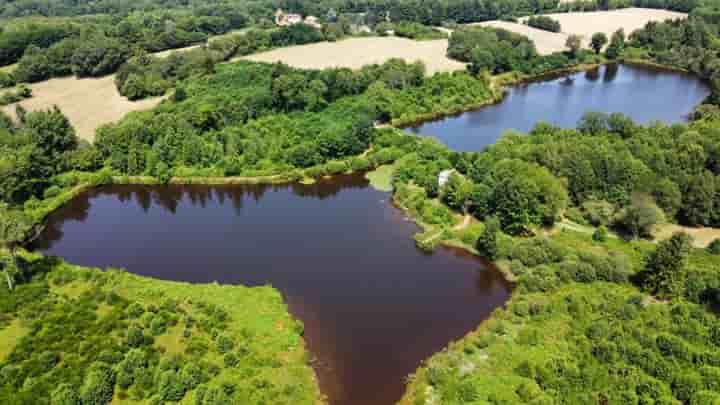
[701, 236]
[586, 24]
[88, 103]
[355, 53]
[629, 19]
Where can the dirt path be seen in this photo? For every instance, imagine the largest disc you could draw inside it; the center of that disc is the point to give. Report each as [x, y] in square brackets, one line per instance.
[464, 224]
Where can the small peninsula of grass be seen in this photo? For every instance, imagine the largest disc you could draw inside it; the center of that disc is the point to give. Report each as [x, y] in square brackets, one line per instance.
[381, 178]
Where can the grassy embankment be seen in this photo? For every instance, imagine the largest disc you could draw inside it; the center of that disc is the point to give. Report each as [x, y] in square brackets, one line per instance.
[162, 341]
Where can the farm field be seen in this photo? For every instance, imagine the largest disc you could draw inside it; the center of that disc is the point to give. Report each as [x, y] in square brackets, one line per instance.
[357, 52]
[629, 19]
[585, 24]
[88, 103]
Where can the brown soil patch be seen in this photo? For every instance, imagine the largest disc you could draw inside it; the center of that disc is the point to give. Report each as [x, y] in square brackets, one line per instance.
[88, 103]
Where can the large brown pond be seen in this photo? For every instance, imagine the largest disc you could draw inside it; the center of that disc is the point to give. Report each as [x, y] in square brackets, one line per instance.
[373, 305]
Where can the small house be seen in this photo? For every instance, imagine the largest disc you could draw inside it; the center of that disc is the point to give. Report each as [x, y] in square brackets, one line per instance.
[444, 176]
[283, 20]
[313, 22]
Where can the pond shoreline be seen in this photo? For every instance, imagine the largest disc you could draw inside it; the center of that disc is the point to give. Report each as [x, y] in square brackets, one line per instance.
[501, 84]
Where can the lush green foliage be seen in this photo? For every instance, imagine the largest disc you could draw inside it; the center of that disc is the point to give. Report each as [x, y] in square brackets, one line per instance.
[93, 336]
[417, 31]
[497, 51]
[690, 44]
[251, 119]
[42, 145]
[598, 41]
[91, 46]
[15, 95]
[664, 273]
[544, 23]
[576, 331]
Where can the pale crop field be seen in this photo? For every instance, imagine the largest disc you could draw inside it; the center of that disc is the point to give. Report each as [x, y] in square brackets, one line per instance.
[88, 103]
[355, 53]
[586, 24]
[629, 19]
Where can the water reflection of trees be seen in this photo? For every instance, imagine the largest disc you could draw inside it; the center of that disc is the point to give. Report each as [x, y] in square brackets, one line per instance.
[611, 71]
[170, 197]
[75, 210]
[592, 74]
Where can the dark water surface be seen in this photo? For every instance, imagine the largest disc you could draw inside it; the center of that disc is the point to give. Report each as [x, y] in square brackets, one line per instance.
[640, 93]
[373, 305]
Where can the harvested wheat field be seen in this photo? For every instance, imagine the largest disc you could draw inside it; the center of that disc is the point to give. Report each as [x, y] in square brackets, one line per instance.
[586, 24]
[88, 103]
[355, 53]
[629, 19]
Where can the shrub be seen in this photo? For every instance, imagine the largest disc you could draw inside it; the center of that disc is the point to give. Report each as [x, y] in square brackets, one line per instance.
[487, 243]
[191, 375]
[225, 344]
[544, 23]
[536, 251]
[714, 247]
[685, 386]
[231, 360]
[705, 398]
[98, 386]
[135, 336]
[211, 395]
[665, 269]
[335, 167]
[135, 310]
[158, 325]
[640, 216]
[52, 191]
[65, 394]
[468, 392]
[600, 234]
[170, 386]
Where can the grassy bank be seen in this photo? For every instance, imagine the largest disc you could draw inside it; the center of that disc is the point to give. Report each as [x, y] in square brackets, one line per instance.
[69, 331]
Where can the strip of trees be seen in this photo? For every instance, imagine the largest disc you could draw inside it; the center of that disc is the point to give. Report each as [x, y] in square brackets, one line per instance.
[544, 22]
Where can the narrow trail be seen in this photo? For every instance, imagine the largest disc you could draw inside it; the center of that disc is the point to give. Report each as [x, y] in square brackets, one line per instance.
[464, 224]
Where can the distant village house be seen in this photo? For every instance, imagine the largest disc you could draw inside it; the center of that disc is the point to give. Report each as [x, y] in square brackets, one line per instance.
[283, 19]
[444, 176]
